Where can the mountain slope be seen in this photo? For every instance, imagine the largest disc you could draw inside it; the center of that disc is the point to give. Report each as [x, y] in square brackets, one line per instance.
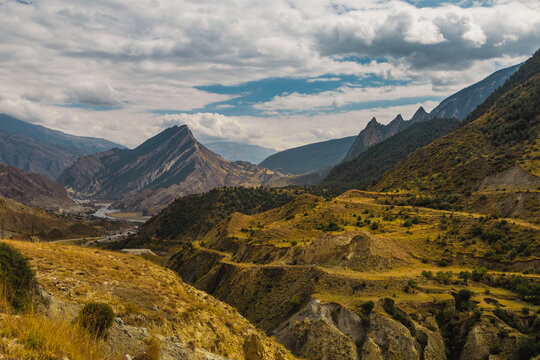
[33, 156]
[375, 132]
[157, 315]
[460, 104]
[361, 171]
[86, 145]
[233, 151]
[32, 189]
[308, 158]
[504, 137]
[530, 68]
[171, 164]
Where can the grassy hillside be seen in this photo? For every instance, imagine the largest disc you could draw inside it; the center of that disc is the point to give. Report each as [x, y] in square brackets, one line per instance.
[320, 271]
[507, 135]
[526, 71]
[157, 315]
[192, 216]
[367, 167]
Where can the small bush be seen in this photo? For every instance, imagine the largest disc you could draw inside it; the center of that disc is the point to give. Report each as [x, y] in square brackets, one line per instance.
[367, 307]
[295, 302]
[97, 318]
[17, 280]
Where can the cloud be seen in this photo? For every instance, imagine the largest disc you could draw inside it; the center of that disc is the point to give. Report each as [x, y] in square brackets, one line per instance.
[150, 55]
[94, 94]
[344, 96]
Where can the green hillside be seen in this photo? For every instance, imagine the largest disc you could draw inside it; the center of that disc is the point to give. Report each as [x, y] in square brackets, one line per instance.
[363, 170]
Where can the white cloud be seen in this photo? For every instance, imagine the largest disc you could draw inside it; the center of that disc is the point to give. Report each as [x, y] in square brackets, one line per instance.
[343, 96]
[152, 54]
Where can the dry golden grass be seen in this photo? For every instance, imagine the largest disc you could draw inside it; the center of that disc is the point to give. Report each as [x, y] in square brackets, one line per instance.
[32, 336]
[133, 286]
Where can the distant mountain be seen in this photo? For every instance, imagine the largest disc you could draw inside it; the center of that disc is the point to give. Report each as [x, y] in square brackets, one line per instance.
[86, 145]
[171, 164]
[34, 148]
[32, 189]
[500, 147]
[463, 102]
[233, 151]
[360, 172]
[34, 156]
[375, 132]
[309, 158]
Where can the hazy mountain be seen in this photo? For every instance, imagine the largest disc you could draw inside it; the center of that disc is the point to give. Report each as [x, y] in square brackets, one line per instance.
[86, 145]
[233, 151]
[34, 148]
[34, 156]
[374, 161]
[170, 164]
[308, 158]
[32, 189]
[375, 132]
[464, 101]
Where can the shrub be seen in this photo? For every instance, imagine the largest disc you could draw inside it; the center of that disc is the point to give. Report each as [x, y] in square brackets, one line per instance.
[367, 307]
[97, 318]
[16, 278]
[374, 225]
[295, 302]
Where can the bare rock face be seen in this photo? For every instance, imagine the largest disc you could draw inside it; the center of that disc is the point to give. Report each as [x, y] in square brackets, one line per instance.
[514, 178]
[484, 335]
[357, 250]
[254, 349]
[370, 350]
[322, 332]
[432, 340]
[393, 338]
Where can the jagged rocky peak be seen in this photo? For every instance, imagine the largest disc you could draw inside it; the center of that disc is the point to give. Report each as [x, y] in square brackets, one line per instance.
[420, 115]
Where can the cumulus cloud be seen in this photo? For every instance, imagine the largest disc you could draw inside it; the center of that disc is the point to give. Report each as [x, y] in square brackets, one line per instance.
[152, 55]
[94, 94]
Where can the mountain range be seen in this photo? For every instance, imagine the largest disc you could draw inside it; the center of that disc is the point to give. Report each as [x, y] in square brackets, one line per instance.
[168, 165]
[34, 148]
[300, 160]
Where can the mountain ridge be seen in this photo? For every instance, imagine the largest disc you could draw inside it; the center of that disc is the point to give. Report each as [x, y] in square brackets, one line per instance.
[168, 165]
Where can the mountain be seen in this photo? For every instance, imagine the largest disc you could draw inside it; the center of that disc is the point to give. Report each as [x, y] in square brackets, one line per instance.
[34, 148]
[460, 104]
[32, 189]
[170, 164]
[375, 132]
[34, 156]
[86, 145]
[309, 158]
[374, 161]
[233, 151]
[500, 147]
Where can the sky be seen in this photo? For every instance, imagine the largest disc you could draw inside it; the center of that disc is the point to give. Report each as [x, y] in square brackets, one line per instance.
[274, 73]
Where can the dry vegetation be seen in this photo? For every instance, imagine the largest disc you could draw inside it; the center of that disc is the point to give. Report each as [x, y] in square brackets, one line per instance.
[141, 293]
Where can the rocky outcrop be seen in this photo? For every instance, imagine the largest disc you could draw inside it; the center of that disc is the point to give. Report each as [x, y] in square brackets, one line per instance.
[375, 132]
[357, 250]
[514, 178]
[331, 331]
[485, 336]
[304, 332]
